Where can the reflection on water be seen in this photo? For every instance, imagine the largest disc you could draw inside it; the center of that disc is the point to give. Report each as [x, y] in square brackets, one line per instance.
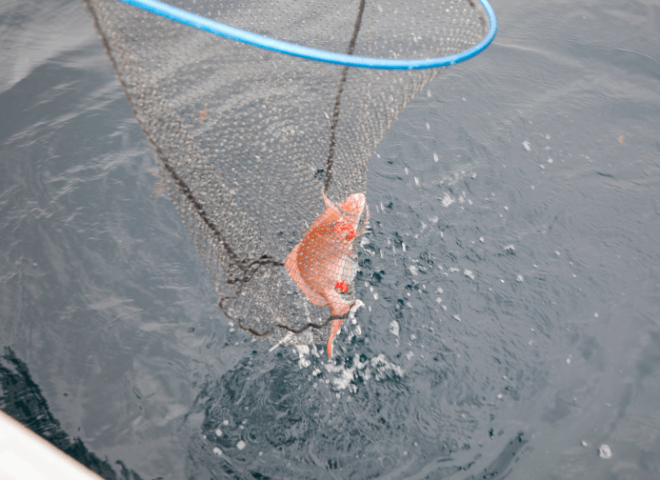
[510, 275]
[21, 398]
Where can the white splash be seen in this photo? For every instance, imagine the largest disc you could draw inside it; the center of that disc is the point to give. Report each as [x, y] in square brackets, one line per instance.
[382, 367]
[303, 353]
[344, 381]
[604, 451]
[447, 200]
[378, 367]
[394, 328]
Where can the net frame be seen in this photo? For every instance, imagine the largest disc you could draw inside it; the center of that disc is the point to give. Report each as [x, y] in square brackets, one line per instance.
[227, 31]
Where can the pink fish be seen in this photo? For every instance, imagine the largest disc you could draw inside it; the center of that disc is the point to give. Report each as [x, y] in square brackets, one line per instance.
[322, 264]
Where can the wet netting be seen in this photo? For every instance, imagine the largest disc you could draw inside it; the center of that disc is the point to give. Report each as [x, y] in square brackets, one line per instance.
[264, 145]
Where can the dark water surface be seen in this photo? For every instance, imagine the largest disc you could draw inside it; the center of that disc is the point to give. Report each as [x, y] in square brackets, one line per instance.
[520, 322]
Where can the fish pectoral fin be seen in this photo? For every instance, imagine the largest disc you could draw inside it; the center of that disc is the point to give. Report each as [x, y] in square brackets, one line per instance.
[291, 266]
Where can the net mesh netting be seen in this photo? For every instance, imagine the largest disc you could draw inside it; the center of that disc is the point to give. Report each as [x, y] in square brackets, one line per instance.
[250, 140]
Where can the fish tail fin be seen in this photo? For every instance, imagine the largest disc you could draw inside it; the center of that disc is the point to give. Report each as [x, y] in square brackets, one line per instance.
[336, 324]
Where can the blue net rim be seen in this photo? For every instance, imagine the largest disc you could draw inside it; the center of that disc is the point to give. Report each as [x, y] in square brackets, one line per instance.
[211, 26]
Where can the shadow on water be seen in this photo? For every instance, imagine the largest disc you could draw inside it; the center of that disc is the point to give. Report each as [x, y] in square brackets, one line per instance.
[22, 399]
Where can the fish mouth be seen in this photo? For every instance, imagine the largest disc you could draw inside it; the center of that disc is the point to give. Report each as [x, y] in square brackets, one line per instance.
[354, 205]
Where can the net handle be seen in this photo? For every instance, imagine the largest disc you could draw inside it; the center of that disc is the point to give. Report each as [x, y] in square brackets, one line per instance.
[211, 26]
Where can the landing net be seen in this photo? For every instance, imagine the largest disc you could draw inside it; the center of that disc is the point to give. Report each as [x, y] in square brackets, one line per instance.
[257, 118]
